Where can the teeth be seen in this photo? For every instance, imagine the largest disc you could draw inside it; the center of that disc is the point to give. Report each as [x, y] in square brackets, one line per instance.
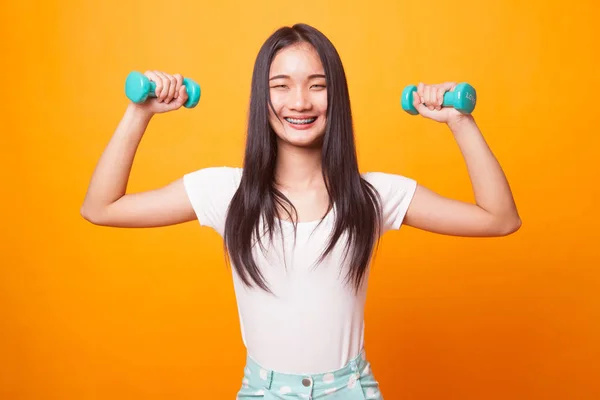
[300, 121]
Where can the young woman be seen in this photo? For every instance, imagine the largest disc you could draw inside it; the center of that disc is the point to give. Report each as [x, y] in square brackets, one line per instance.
[300, 222]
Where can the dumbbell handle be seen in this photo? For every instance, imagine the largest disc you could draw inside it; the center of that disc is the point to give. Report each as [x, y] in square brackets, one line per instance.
[138, 88]
[462, 98]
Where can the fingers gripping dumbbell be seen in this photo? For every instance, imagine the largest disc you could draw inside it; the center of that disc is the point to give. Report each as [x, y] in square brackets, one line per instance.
[138, 88]
[462, 98]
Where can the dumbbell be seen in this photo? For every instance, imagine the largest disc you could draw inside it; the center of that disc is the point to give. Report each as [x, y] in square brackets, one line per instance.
[463, 98]
[138, 88]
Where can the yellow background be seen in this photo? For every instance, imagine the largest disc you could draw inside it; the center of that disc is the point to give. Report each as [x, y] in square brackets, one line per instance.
[94, 313]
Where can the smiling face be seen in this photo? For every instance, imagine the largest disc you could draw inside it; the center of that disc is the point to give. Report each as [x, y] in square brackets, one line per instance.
[298, 92]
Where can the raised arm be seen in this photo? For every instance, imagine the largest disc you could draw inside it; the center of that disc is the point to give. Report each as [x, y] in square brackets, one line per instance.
[106, 202]
[494, 212]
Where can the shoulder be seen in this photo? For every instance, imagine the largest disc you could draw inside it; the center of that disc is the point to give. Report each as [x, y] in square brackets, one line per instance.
[210, 191]
[385, 180]
[217, 176]
[215, 182]
[396, 192]
[218, 171]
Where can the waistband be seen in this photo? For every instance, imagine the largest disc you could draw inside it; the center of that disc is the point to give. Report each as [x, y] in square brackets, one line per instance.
[255, 375]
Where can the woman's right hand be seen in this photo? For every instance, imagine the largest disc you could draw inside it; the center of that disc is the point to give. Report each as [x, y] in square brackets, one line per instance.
[170, 93]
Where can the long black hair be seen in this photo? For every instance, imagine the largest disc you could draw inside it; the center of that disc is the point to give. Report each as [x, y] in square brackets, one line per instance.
[356, 203]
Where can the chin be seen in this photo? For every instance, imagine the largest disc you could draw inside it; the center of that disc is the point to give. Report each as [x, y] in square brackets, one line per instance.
[308, 138]
[302, 140]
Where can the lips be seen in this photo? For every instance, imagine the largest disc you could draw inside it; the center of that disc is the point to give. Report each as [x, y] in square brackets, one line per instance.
[300, 120]
[305, 122]
[301, 116]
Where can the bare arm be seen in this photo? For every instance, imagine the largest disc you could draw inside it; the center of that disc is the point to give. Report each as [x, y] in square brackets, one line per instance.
[106, 202]
[495, 212]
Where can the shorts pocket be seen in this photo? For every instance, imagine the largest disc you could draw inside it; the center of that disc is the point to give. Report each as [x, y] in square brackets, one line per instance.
[272, 395]
[250, 393]
[368, 384]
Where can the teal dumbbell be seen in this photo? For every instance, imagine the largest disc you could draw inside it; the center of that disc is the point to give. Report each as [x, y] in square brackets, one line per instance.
[138, 88]
[462, 98]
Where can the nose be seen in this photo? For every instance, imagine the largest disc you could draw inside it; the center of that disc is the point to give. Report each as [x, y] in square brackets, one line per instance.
[299, 100]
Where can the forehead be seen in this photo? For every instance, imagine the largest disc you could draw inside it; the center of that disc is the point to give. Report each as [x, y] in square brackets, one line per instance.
[297, 60]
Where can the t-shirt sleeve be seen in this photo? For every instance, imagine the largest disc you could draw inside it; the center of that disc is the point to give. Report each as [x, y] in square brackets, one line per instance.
[210, 191]
[396, 192]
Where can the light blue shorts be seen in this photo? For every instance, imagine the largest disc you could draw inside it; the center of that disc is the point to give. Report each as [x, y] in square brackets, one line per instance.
[354, 381]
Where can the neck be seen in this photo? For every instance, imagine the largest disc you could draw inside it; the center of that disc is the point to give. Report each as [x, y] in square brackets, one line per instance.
[298, 168]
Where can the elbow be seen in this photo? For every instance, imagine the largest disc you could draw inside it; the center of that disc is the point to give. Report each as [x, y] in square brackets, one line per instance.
[89, 215]
[508, 226]
[85, 213]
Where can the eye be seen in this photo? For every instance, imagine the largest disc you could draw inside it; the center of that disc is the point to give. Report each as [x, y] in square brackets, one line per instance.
[319, 86]
[278, 86]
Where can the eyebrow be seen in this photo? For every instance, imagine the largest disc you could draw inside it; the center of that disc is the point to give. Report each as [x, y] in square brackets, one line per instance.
[287, 76]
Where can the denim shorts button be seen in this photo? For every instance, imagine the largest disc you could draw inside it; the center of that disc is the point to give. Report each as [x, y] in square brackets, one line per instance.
[306, 382]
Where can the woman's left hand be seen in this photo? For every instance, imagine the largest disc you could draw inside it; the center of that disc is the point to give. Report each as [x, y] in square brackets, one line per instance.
[428, 102]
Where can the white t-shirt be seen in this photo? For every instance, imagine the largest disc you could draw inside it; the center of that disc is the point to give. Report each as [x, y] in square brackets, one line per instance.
[314, 321]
